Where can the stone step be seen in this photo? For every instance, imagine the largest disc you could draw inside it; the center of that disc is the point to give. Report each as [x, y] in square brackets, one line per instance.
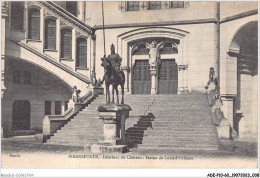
[175, 122]
[171, 137]
[176, 143]
[169, 147]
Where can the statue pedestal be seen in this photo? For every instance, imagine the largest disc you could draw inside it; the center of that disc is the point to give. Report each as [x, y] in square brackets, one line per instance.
[153, 80]
[114, 116]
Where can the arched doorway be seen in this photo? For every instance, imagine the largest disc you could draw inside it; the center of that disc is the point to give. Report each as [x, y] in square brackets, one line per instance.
[167, 69]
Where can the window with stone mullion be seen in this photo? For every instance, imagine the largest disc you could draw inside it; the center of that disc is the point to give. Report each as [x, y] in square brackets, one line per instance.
[177, 4]
[153, 5]
[132, 6]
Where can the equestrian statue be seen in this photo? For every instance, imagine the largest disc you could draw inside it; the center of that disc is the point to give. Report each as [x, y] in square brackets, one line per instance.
[113, 75]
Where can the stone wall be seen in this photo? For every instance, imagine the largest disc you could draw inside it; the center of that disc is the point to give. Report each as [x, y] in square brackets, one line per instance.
[44, 87]
[198, 53]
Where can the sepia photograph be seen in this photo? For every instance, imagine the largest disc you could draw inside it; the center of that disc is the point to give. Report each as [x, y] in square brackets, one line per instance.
[129, 84]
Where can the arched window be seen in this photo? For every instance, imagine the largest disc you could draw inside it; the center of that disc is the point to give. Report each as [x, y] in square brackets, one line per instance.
[66, 43]
[34, 24]
[17, 15]
[169, 48]
[50, 34]
[81, 53]
[141, 50]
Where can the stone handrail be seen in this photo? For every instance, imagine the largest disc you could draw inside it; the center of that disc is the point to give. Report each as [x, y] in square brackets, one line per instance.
[52, 123]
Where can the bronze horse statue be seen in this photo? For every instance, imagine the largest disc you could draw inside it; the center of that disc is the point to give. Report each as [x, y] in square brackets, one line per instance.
[113, 77]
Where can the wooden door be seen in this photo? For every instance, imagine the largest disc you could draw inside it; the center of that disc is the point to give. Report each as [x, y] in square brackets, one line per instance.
[168, 77]
[21, 115]
[141, 77]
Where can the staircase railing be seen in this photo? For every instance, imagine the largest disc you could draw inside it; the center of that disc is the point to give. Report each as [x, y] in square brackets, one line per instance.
[214, 99]
[52, 123]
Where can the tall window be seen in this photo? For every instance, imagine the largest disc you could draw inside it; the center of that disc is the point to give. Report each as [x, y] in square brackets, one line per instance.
[71, 6]
[17, 9]
[17, 77]
[177, 4]
[34, 24]
[50, 34]
[27, 77]
[66, 44]
[47, 107]
[81, 53]
[153, 5]
[57, 107]
[132, 5]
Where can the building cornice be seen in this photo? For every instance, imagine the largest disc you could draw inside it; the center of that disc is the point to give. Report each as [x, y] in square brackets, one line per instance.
[155, 24]
[180, 22]
[239, 16]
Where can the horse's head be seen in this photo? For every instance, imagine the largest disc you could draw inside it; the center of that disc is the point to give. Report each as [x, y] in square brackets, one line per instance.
[105, 63]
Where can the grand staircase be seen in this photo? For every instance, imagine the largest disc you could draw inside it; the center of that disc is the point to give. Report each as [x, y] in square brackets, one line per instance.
[178, 122]
[172, 122]
[86, 128]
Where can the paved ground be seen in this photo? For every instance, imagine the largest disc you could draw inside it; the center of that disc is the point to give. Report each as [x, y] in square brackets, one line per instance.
[227, 148]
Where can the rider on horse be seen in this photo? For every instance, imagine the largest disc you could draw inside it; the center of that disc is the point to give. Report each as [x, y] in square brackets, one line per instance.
[115, 61]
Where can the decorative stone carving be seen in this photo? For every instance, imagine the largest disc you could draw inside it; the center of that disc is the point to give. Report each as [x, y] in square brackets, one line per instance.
[65, 17]
[182, 67]
[63, 23]
[78, 33]
[47, 13]
[5, 8]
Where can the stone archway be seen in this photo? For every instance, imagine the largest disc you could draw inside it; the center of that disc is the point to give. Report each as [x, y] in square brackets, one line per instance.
[154, 66]
[130, 41]
[240, 88]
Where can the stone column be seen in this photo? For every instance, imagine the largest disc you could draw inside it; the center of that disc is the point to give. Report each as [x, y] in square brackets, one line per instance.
[126, 70]
[52, 107]
[4, 16]
[93, 37]
[153, 80]
[113, 116]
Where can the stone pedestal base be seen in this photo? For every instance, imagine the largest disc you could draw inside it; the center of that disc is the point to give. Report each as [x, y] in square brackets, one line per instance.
[113, 116]
[224, 131]
[103, 148]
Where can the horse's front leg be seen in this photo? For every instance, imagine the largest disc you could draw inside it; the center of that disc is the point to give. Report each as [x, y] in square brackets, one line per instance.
[113, 97]
[117, 99]
[122, 90]
[107, 94]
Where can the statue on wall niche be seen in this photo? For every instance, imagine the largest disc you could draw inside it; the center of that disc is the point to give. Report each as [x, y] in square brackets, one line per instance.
[154, 53]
